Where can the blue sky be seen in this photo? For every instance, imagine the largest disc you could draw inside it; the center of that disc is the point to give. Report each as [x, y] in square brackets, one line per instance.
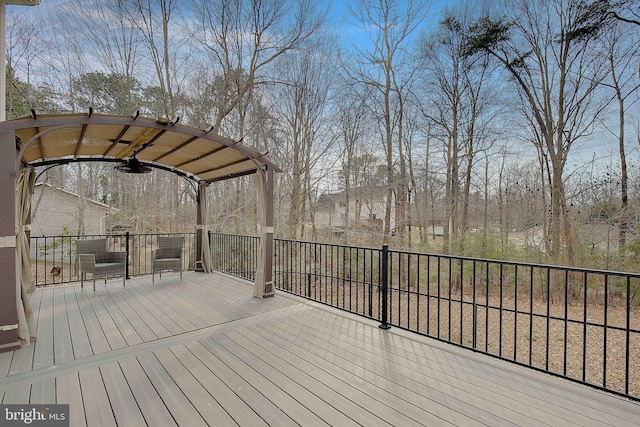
[351, 33]
[348, 31]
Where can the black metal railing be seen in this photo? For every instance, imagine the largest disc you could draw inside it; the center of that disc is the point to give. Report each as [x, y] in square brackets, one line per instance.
[54, 258]
[576, 323]
[579, 324]
[341, 276]
[234, 254]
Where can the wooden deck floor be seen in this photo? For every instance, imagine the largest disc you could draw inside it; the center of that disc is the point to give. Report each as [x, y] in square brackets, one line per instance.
[204, 352]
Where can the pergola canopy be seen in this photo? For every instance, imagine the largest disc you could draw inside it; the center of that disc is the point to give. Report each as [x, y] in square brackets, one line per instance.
[64, 138]
[194, 153]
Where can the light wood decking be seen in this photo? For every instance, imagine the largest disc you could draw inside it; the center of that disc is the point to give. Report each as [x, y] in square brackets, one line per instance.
[204, 352]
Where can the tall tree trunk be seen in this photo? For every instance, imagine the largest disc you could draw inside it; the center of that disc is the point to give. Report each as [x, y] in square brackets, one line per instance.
[624, 196]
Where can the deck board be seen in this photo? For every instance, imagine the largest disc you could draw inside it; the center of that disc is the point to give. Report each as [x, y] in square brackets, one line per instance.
[122, 324]
[336, 392]
[97, 337]
[5, 364]
[120, 396]
[256, 357]
[237, 409]
[260, 404]
[404, 406]
[43, 392]
[427, 378]
[110, 329]
[147, 398]
[168, 298]
[338, 374]
[43, 349]
[199, 314]
[78, 332]
[204, 403]
[437, 367]
[297, 412]
[145, 312]
[62, 345]
[135, 319]
[24, 363]
[173, 398]
[95, 399]
[68, 392]
[203, 351]
[17, 395]
[165, 305]
[157, 312]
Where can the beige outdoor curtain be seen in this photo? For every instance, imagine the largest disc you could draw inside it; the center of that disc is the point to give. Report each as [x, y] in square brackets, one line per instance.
[24, 278]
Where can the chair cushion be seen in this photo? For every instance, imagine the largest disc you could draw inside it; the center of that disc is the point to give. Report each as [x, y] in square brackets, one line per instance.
[108, 264]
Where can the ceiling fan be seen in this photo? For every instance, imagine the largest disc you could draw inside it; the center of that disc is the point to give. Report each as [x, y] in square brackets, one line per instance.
[133, 165]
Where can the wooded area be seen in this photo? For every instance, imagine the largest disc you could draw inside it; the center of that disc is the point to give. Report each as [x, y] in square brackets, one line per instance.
[500, 129]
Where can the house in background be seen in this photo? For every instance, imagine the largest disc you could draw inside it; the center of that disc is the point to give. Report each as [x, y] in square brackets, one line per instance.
[366, 213]
[57, 212]
[366, 210]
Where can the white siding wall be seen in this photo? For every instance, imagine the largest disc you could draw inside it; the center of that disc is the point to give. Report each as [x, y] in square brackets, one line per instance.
[59, 210]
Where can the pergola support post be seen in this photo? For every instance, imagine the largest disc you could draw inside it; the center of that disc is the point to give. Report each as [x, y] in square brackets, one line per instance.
[263, 281]
[268, 235]
[8, 306]
[198, 263]
[203, 261]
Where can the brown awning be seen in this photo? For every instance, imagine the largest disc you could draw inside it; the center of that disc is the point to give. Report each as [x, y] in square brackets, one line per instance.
[195, 153]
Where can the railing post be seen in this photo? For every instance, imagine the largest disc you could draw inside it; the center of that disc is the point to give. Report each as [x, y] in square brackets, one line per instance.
[126, 249]
[210, 236]
[475, 324]
[384, 278]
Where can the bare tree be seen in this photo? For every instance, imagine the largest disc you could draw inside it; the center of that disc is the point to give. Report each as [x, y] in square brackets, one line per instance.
[445, 68]
[23, 51]
[556, 78]
[352, 120]
[622, 54]
[108, 42]
[460, 111]
[596, 15]
[432, 184]
[241, 39]
[303, 106]
[152, 20]
[386, 68]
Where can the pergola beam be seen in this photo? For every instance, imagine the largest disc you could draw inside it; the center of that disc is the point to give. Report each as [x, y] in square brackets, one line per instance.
[268, 234]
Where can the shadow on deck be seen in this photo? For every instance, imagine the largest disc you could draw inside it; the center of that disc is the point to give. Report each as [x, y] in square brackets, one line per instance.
[204, 352]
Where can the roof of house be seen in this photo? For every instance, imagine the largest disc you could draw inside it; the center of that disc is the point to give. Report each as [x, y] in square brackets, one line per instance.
[326, 199]
[72, 194]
